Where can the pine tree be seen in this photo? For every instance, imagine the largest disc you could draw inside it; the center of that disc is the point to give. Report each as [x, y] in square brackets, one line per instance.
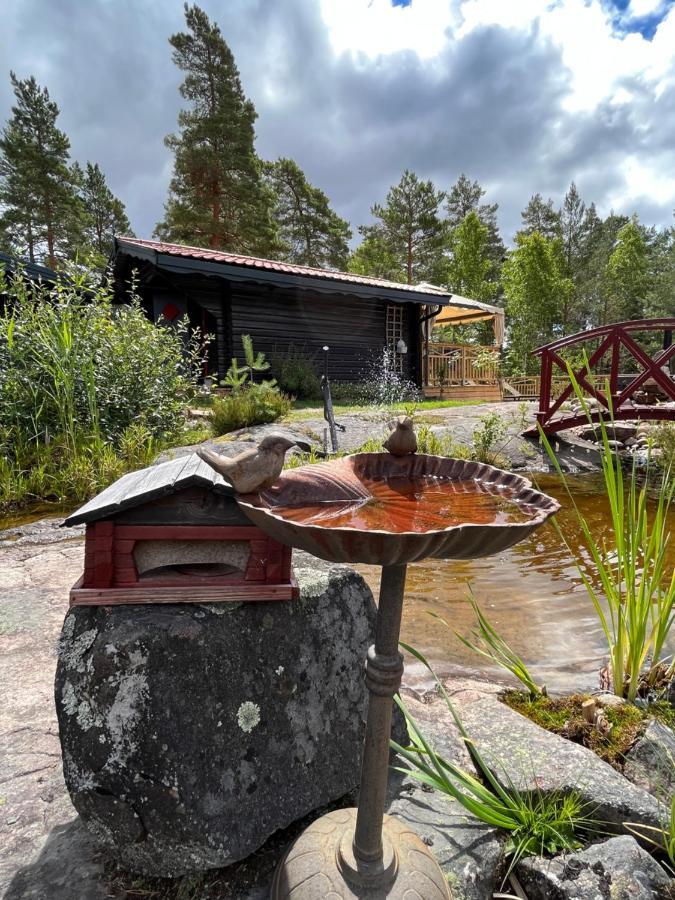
[104, 215]
[541, 217]
[312, 234]
[536, 290]
[464, 197]
[470, 266]
[375, 257]
[217, 197]
[41, 214]
[410, 227]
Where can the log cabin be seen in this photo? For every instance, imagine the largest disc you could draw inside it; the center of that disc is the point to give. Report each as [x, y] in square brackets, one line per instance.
[228, 295]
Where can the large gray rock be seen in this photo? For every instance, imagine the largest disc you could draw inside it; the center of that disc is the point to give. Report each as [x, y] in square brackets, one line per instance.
[651, 762]
[617, 869]
[522, 753]
[191, 733]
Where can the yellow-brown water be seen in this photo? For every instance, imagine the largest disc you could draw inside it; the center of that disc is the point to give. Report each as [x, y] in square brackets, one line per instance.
[415, 504]
[532, 593]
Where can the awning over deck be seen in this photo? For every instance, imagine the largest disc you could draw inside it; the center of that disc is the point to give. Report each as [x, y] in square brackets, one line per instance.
[464, 311]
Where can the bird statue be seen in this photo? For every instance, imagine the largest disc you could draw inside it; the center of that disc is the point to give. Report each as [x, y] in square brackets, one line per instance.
[252, 470]
[402, 440]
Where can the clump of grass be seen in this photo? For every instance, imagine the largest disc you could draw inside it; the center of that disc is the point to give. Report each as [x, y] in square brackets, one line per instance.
[254, 404]
[537, 823]
[662, 838]
[488, 642]
[564, 716]
[636, 603]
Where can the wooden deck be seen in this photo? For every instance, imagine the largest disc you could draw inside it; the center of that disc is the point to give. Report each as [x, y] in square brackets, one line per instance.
[462, 372]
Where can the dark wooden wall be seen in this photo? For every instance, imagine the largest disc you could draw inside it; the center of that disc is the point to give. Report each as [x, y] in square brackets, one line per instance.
[275, 317]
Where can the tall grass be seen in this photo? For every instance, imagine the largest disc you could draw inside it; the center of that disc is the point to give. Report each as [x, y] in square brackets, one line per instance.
[635, 604]
[87, 389]
[537, 823]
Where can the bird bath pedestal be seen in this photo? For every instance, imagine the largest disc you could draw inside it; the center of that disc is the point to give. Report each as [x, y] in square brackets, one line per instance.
[381, 509]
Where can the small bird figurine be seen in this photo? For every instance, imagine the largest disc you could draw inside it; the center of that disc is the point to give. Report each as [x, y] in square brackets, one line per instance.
[402, 440]
[253, 470]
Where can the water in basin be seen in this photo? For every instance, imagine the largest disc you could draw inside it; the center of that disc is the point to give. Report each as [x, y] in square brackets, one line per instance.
[421, 504]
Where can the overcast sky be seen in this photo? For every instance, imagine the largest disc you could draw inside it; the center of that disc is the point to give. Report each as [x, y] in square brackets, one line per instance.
[524, 95]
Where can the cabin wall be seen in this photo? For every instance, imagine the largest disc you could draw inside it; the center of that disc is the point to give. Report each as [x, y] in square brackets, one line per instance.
[353, 328]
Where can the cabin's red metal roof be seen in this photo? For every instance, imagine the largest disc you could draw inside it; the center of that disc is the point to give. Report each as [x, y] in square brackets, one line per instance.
[273, 265]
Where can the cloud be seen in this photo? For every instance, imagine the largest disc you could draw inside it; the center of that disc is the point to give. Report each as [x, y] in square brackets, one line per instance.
[524, 96]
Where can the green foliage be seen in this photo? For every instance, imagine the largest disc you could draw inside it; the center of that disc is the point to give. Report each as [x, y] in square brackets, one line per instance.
[252, 404]
[295, 372]
[630, 563]
[311, 233]
[465, 197]
[409, 227]
[255, 362]
[536, 290]
[375, 257]
[488, 437]
[104, 214]
[536, 823]
[86, 389]
[565, 716]
[626, 276]
[470, 264]
[488, 643]
[217, 197]
[40, 209]
[540, 217]
[664, 439]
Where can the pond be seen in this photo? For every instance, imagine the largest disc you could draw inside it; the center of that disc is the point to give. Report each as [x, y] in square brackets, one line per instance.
[531, 593]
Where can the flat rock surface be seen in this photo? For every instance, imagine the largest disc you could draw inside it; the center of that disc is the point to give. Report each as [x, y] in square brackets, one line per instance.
[520, 752]
[617, 869]
[651, 762]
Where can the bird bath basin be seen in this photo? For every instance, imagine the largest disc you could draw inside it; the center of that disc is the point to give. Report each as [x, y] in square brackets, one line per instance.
[387, 510]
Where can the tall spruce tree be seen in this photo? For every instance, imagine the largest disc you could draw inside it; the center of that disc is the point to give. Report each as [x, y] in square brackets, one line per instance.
[217, 197]
[38, 197]
[310, 232]
[464, 197]
[104, 214]
[410, 227]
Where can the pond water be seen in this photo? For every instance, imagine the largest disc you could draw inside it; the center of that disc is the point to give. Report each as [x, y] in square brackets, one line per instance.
[531, 593]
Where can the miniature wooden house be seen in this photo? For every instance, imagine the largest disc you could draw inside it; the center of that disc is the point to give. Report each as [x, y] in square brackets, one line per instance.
[173, 533]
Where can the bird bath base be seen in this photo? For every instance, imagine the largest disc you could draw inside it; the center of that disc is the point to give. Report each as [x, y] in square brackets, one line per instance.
[321, 865]
[360, 852]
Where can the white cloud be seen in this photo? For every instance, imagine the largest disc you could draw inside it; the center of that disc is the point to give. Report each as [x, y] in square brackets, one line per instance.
[375, 27]
[640, 8]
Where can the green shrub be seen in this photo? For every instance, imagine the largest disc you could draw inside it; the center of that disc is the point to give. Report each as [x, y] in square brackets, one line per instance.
[87, 389]
[295, 372]
[252, 404]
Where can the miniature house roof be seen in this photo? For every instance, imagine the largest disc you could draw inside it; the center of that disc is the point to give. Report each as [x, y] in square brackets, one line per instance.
[139, 487]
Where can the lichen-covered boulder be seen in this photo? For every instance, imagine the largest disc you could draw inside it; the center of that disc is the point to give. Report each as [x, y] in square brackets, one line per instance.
[191, 733]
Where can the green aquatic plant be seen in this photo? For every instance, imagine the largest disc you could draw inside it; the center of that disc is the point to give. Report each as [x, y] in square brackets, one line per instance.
[537, 823]
[635, 603]
[489, 643]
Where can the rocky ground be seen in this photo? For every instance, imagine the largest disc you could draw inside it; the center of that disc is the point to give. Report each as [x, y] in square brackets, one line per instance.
[458, 423]
[47, 854]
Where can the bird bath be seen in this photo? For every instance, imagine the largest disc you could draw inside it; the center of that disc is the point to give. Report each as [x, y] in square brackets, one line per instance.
[382, 509]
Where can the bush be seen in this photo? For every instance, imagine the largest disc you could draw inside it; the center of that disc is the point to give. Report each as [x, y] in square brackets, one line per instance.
[295, 372]
[253, 404]
[87, 389]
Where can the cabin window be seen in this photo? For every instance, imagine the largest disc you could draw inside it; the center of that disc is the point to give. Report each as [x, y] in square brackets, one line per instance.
[395, 334]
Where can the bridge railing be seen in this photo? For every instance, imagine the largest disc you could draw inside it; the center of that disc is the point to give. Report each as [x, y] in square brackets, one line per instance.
[599, 376]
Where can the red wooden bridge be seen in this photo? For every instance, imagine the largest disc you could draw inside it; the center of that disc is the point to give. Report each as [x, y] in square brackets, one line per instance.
[627, 396]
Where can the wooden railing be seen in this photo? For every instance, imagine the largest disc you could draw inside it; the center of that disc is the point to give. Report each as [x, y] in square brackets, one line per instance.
[527, 387]
[458, 363]
[624, 397]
